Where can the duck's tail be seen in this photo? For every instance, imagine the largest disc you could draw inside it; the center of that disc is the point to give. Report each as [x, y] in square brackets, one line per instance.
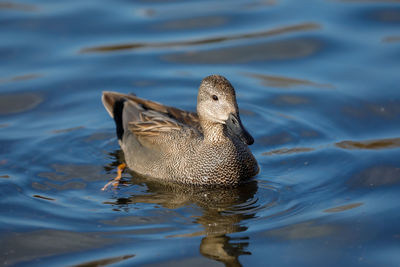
[114, 104]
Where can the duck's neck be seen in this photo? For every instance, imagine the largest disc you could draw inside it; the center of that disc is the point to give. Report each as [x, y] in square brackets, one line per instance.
[213, 132]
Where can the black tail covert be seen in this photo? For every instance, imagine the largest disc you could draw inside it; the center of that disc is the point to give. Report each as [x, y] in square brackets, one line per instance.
[117, 111]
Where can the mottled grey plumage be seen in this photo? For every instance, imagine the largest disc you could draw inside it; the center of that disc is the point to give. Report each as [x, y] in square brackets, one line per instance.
[207, 148]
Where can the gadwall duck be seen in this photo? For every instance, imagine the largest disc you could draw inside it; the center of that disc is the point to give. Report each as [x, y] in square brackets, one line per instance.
[207, 148]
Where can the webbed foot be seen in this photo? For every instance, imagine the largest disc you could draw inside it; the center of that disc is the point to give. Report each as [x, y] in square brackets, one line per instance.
[115, 181]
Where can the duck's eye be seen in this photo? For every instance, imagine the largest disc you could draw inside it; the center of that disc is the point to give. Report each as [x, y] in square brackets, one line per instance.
[215, 97]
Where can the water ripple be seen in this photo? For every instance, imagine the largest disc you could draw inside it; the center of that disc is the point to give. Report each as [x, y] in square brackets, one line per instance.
[18, 6]
[22, 102]
[285, 151]
[268, 33]
[318, 87]
[286, 82]
[344, 207]
[370, 144]
[105, 261]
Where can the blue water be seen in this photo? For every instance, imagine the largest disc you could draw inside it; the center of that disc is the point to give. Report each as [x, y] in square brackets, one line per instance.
[318, 85]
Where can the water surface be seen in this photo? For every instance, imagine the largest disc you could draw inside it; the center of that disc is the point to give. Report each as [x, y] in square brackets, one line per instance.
[318, 87]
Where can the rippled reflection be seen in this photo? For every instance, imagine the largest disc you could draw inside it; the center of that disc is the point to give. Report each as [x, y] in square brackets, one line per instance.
[104, 262]
[18, 6]
[290, 100]
[19, 78]
[21, 102]
[304, 230]
[285, 151]
[223, 211]
[67, 130]
[68, 177]
[376, 176]
[391, 39]
[191, 23]
[283, 30]
[285, 82]
[20, 247]
[43, 197]
[268, 51]
[344, 207]
[370, 1]
[216, 216]
[389, 110]
[370, 144]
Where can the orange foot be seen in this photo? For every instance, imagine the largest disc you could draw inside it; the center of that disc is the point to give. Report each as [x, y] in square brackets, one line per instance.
[115, 181]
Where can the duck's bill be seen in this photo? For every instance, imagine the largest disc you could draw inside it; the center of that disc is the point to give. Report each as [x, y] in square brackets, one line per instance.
[235, 127]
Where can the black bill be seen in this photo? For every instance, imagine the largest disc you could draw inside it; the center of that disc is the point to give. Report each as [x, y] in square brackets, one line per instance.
[235, 127]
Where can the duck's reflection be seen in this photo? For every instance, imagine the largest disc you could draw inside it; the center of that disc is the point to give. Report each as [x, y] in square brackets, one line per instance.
[222, 212]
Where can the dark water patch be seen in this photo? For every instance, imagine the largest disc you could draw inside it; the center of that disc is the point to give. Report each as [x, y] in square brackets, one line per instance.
[268, 33]
[286, 82]
[16, 103]
[134, 220]
[191, 261]
[174, 195]
[65, 186]
[290, 100]
[219, 212]
[275, 139]
[309, 133]
[376, 16]
[263, 3]
[370, 1]
[40, 186]
[68, 129]
[344, 207]
[281, 214]
[305, 230]
[128, 232]
[18, 7]
[386, 15]
[365, 110]
[379, 118]
[221, 248]
[376, 176]
[292, 135]
[285, 151]
[63, 173]
[20, 247]
[191, 23]
[21, 78]
[104, 262]
[391, 39]
[247, 112]
[370, 144]
[161, 1]
[269, 51]
[99, 136]
[224, 249]
[43, 197]
[70, 177]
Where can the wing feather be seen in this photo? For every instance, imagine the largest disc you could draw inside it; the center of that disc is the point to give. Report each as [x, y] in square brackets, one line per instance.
[148, 118]
[153, 123]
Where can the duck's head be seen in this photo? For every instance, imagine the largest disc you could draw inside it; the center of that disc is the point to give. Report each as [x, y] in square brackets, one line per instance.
[216, 103]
